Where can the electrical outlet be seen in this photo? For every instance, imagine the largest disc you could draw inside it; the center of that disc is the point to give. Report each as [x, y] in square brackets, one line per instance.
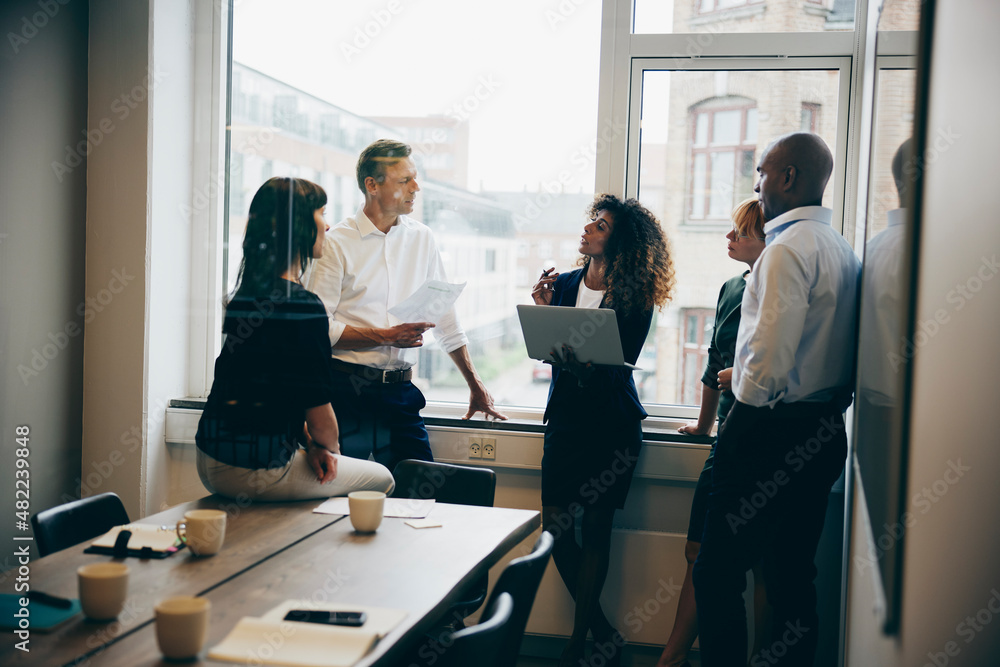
[475, 447]
[489, 448]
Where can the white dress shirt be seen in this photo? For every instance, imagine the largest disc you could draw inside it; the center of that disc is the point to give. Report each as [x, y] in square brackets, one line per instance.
[363, 273]
[797, 333]
[881, 307]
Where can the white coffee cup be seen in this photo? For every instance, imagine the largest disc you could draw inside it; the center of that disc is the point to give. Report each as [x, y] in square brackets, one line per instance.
[103, 589]
[203, 531]
[182, 626]
[366, 510]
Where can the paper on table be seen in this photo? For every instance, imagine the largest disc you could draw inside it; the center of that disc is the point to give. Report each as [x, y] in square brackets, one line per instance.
[429, 303]
[300, 645]
[395, 508]
[306, 644]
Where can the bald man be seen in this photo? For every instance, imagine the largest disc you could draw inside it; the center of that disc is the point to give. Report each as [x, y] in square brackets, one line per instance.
[783, 444]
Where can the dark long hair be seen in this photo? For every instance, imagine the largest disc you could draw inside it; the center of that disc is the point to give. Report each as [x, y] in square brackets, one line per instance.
[281, 230]
[639, 271]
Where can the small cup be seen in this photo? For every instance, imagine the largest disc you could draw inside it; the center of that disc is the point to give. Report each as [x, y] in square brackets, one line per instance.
[103, 589]
[203, 531]
[182, 626]
[366, 510]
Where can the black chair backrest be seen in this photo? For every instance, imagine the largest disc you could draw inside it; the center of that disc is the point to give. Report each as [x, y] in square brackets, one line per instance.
[520, 579]
[65, 525]
[444, 482]
[480, 644]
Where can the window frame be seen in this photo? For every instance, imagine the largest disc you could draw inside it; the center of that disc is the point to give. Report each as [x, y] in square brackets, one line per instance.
[623, 54]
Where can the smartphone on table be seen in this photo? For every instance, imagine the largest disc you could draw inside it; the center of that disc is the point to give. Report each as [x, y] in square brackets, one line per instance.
[351, 619]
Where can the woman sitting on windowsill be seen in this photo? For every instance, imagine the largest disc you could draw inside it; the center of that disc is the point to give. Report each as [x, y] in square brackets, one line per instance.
[268, 431]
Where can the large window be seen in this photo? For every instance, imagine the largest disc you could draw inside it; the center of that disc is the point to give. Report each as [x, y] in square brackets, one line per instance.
[504, 192]
[703, 131]
[512, 143]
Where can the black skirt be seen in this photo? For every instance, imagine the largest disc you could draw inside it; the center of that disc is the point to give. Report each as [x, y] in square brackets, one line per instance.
[589, 462]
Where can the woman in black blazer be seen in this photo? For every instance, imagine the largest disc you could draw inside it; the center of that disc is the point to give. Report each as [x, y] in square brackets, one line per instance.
[593, 416]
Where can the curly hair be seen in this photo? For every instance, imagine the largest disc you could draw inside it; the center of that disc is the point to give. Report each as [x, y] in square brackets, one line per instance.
[281, 231]
[639, 269]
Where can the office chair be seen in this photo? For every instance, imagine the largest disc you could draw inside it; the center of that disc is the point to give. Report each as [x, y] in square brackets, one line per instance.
[445, 483]
[520, 579]
[480, 644]
[459, 485]
[60, 527]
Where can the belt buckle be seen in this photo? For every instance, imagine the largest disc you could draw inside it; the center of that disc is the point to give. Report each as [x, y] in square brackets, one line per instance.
[387, 377]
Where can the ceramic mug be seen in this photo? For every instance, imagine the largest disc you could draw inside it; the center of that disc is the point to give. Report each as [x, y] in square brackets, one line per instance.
[182, 626]
[103, 589]
[203, 531]
[366, 510]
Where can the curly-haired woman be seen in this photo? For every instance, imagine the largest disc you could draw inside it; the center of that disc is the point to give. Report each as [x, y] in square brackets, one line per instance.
[588, 462]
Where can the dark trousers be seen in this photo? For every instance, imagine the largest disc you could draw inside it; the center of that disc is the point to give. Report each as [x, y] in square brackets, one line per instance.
[380, 419]
[771, 480]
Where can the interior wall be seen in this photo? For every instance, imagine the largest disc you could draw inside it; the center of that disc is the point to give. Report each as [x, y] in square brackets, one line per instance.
[43, 199]
[951, 584]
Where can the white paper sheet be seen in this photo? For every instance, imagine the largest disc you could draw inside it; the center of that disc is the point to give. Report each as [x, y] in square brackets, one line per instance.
[395, 508]
[429, 303]
[270, 640]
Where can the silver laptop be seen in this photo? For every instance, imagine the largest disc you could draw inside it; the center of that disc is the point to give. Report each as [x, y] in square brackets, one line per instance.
[591, 332]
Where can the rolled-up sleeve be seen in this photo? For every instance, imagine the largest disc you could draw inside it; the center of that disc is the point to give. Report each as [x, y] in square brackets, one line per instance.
[448, 331]
[325, 281]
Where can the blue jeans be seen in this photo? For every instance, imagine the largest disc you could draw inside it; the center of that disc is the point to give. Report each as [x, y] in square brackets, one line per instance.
[771, 480]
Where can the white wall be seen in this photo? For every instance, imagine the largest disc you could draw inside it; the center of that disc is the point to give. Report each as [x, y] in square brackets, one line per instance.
[43, 109]
[951, 553]
[141, 220]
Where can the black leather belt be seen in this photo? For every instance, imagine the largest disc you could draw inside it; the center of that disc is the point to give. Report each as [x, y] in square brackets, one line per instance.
[373, 374]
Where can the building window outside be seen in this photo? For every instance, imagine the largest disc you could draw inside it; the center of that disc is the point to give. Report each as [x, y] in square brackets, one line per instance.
[698, 325]
[722, 165]
[810, 117]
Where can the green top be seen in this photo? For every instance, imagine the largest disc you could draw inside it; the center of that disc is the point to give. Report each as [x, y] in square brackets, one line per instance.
[722, 349]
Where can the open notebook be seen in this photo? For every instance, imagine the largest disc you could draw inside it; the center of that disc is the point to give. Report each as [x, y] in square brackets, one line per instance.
[146, 541]
[271, 640]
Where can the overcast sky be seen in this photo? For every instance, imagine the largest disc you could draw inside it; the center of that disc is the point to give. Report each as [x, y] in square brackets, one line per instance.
[540, 59]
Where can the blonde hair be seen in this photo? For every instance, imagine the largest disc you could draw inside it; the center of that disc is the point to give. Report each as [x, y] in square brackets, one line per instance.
[748, 217]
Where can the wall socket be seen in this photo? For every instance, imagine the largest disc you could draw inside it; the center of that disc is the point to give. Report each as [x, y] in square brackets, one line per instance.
[475, 447]
[489, 448]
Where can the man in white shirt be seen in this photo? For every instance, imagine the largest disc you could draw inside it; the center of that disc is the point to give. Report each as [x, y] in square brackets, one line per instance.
[784, 443]
[371, 262]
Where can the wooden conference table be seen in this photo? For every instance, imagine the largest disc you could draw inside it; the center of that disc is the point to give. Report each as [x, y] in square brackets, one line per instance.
[272, 553]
